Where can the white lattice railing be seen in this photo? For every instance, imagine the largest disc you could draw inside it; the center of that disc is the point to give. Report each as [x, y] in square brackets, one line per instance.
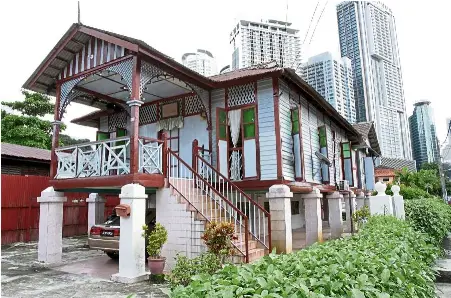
[150, 156]
[101, 158]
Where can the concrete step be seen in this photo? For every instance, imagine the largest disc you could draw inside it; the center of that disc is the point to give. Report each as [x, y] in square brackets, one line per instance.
[443, 267]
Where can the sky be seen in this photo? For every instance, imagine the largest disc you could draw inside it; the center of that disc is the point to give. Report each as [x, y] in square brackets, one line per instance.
[30, 29]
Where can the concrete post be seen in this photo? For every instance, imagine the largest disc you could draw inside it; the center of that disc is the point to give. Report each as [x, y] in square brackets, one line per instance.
[380, 203]
[96, 210]
[335, 218]
[131, 243]
[349, 208]
[50, 245]
[280, 205]
[313, 222]
[398, 203]
[360, 200]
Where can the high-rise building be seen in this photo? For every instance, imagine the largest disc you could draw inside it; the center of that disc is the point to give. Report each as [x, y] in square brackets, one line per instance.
[446, 152]
[202, 62]
[367, 36]
[424, 137]
[258, 42]
[332, 78]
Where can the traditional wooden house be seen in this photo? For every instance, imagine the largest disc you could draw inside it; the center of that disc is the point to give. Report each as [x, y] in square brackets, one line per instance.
[204, 148]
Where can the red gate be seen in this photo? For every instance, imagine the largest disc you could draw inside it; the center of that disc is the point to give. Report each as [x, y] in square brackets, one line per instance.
[20, 210]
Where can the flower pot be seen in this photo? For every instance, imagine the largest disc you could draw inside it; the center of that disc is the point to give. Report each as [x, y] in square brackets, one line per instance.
[156, 265]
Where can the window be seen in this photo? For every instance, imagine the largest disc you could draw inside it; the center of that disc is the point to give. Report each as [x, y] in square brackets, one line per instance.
[295, 121]
[249, 123]
[346, 150]
[386, 179]
[295, 207]
[222, 116]
[322, 136]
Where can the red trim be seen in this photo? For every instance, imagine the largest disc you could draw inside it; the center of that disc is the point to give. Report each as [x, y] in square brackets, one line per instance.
[49, 60]
[146, 180]
[210, 127]
[94, 69]
[106, 37]
[275, 86]
[301, 141]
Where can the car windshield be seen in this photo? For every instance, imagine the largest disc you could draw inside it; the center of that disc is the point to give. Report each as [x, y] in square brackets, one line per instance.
[113, 220]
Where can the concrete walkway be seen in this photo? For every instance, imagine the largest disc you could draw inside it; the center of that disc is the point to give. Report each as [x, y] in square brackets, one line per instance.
[83, 273]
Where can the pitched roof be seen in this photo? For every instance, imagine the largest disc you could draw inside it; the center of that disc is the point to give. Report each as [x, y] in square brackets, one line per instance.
[25, 152]
[398, 164]
[384, 172]
[259, 69]
[368, 132]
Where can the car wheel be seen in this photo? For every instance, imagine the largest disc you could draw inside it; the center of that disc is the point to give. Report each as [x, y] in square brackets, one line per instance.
[113, 255]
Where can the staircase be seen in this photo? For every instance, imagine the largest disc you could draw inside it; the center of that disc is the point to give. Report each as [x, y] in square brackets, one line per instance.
[212, 197]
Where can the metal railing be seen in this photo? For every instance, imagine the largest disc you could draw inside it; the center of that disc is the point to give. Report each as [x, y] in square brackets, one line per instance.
[207, 200]
[100, 158]
[259, 218]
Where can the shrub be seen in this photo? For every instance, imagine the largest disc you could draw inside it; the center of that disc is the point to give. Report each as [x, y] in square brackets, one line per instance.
[411, 193]
[185, 268]
[156, 238]
[218, 237]
[361, 216]
[430, 216]
[386, 259]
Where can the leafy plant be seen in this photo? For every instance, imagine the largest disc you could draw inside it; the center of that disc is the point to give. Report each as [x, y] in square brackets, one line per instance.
[361, 216]
[218, 237]
[388, 258]
[156, 238]
[185, 268]
[430, 216]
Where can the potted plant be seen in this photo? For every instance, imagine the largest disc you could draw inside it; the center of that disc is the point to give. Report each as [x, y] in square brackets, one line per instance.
[156, 238]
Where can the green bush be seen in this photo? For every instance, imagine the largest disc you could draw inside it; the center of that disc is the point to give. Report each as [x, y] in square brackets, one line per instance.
[185, 268]
[430, 216]
[411, 193]
[386, 259]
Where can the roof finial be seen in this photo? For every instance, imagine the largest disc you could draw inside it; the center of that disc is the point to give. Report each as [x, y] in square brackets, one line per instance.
[79, 12]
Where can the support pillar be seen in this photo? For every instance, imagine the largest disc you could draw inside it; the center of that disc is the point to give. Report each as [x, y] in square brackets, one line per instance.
[398, 203]
[360, 200]
[350, 209]
[131, 243]
[96, 210]
[335, 218]
[313, 221]
[50, 245]
[280, 205]
[380, 203]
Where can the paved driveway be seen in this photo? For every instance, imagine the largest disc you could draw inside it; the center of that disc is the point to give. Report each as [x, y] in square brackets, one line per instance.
[83, 273]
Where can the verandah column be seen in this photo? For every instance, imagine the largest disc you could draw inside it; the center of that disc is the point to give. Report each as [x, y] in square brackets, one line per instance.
[335, 219]
[134, 103]
[56, 125]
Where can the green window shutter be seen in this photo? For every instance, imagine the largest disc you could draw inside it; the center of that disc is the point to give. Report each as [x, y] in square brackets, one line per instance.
[249, 130]
[120, 132]
[102, 136]
[249, 115]
[222, 132]
[346, 150]
[222, 117]
[322, 137]
[295, 121]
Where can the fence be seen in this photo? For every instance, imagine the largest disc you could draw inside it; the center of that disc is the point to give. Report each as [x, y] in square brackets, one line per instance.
[20, 210]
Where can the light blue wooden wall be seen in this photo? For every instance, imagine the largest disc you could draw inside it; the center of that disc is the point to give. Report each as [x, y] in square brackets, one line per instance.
[266, 130]
[194, 127]
[288, 170]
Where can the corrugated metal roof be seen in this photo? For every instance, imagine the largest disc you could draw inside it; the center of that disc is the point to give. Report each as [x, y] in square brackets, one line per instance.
[25, 152]
[398, 164]
[368, 132]
[259, 69]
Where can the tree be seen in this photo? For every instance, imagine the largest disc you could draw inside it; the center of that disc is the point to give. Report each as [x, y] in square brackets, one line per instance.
[426, 179]
[28, 128]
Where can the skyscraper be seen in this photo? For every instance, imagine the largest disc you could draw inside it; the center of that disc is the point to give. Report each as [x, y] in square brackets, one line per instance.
[257, 42]
[332, 78]
[202, 62]
[367, 36]
[422, 130]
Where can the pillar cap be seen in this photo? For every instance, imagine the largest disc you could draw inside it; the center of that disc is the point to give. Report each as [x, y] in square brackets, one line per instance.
[279, 191]
[133, 191]
[314, 194]
[380, 188]
[95, 198]
[135, 102]
[49, 195]
[395, 189]
[57, 122]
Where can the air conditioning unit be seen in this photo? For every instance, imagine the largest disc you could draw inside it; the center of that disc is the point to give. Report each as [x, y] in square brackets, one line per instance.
[343, 185]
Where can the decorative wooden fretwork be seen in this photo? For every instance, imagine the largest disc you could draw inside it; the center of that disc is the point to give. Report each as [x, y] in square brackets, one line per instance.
[150, 157]
[241, 95]
[193, 105]
[148, 72]
[125, 69]
[148, 114]
[67, 94]
[205, 100]
[117, 120]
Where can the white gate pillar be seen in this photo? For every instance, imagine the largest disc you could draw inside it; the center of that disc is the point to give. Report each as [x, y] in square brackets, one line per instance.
[398, 203]
[280, 196]
[131, 243]
[96, 210]
[380, 203]
[50, 245]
